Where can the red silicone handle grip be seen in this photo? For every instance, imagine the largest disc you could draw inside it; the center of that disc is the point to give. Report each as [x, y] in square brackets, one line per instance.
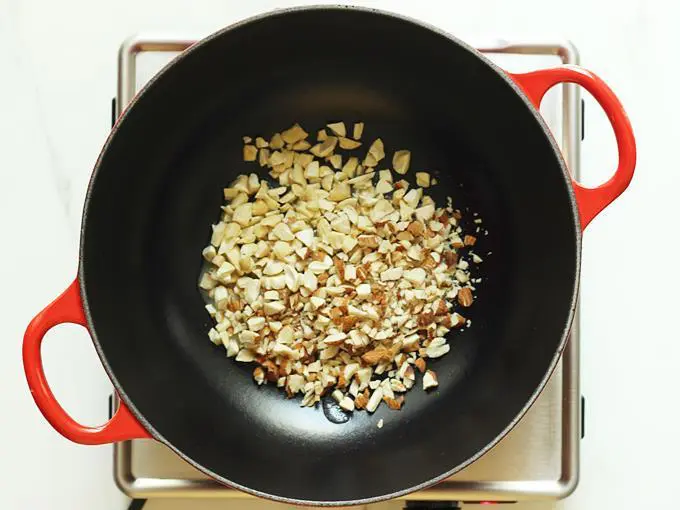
[69, 308]
[591, 201]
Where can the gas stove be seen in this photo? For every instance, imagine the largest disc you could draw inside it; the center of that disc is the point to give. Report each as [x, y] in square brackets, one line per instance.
[538, 459]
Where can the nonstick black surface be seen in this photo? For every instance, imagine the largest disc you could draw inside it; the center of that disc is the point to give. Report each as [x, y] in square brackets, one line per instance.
[158, 187]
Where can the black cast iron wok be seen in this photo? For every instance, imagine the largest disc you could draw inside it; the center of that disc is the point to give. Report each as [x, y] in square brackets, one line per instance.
[157, 187]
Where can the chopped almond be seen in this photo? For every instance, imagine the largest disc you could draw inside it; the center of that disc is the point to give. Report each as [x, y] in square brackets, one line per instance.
[465, 297]
[332, 277]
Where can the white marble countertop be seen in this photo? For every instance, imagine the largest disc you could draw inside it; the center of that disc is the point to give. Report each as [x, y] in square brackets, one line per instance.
[58, 75]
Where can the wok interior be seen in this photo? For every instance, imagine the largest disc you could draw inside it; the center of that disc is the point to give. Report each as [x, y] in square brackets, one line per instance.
[159, 187]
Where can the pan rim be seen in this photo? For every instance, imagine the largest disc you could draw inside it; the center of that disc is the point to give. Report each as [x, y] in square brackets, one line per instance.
[82, 278]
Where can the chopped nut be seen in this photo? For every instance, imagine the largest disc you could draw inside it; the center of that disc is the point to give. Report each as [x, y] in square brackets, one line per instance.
[456, 321]
[394, 403]
[369, 241]
[339, 192]
[336, 161]
[249, 153]
[282, 231]
[437, 348]
[430, 380]
[450, 258]
[429, 263]
[360, 401]
[309, 280]
[350, 168]
[348, 143]
[256, 323]
[330, 282]
[347, 404]
[383, 186]
[416, 275]
[425, 319]
[243, 214]
[425, 213]
[273, 268]
[276, 142]
[441, 308]
[302, 145]
[358, 130]
[294, 134]
[274, 308]
[423, 179]
[377, 355]
[258, 375]
[306, 236]
[401, 161]
[391, 274]
[325, 148]
[374, 401]
[335, 339]
[416, 228]
[338, 128]
[465, 297]
[245, 356]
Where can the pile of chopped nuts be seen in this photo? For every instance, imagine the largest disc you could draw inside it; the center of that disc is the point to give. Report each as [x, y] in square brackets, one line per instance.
[341, 279]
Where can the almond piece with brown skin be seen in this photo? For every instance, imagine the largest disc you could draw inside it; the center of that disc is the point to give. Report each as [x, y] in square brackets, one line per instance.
[450, 257]
[375, 356]
[369, 241]
[336, 315]
[469, 240]
[361, 400]
[318, 255]
[272, 371]
[234, 304]
[258, 375]
[416, 228]
[349, 322]
[425, 319]
[393, 403]
[429, 263]
[339, 268]
[421, 365]
[465, 297]
[445, 321]
[457, 321]
[362, 273]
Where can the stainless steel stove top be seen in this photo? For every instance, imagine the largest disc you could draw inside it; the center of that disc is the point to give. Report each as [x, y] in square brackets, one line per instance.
[538, 459]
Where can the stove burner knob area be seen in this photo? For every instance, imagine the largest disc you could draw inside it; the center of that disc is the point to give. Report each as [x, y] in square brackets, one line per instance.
[432, 505]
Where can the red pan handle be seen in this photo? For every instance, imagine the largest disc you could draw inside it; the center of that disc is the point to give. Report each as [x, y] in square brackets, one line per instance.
[591, 201]
[68, 308]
